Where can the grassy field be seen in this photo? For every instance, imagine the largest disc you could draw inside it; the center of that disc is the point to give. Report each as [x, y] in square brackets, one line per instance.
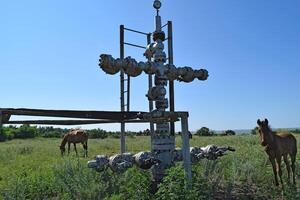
[34, 169]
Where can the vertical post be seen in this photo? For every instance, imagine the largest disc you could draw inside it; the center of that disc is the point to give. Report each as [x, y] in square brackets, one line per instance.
[150, 85]
[128, 94]
[122, 89]
[186, 146]
[0, 122]
[171, 83]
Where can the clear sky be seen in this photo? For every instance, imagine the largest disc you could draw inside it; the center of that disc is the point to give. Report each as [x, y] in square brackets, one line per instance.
[49, 54]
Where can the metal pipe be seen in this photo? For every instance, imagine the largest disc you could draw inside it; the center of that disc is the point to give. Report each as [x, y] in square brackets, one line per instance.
[128, 29]
[164, 25]
[150, 85]
[128, 93]
[171, 82]
[122, 139]
[135, 45]
[0, 123]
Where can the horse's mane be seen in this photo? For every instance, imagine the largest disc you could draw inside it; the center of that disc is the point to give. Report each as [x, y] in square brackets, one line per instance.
[278, 133]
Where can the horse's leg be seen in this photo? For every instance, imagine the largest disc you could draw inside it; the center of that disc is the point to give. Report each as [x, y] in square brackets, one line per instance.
[75, 148]
[69, 147]
[278, 159]
[288, 167]
[293, 159]
[272, 160]
[84, 144]
[86, 149]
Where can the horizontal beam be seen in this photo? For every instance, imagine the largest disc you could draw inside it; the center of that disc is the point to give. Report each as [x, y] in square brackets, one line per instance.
[135, 45]
[135, 31]
[109, 115]
[71, 122]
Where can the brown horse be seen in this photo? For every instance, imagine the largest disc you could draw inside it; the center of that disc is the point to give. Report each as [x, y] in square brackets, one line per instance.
[74, 136]
[278, 145]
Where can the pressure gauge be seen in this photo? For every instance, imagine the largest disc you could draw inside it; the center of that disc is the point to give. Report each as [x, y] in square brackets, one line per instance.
[157, 4]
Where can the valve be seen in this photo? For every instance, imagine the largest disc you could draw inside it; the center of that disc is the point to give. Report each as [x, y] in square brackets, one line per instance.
[99, 164]
[107, 64]
[120, 162]
[145, 160]
[131, 67]
[155, 92]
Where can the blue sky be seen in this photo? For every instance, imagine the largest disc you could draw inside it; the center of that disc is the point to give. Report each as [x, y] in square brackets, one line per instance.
[49, 57]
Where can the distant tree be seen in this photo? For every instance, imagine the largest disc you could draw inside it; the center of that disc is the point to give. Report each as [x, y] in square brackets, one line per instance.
[230, 132]
[204, 131]
[295, 131]
[2, 135]
[26, 131]
[190, 134]
[10, 131]
[147, 132]
[51, 132]
[254, 131]
[97, 133]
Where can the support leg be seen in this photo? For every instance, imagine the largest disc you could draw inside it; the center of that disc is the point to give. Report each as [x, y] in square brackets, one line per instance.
[122, 138]
[186, 147]
[0, 123]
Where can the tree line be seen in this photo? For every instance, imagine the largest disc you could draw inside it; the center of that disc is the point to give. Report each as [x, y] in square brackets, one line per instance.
[27, 131]
[204, 131]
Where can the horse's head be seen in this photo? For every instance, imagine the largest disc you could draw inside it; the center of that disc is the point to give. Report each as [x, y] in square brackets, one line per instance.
[62, 150]
[265, 133]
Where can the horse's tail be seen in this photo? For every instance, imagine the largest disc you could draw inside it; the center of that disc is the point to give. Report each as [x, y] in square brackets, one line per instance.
[294, 140]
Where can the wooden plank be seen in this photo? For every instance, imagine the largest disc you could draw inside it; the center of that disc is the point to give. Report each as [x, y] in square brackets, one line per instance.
[70, 122]
[110, 115]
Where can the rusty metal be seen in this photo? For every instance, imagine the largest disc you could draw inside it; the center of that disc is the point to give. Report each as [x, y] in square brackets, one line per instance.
[135, 45]
[110, 115]
[122, 92]
[1, 122]
[150, 85]
[171, 82]
[135, 31]
[70, 122]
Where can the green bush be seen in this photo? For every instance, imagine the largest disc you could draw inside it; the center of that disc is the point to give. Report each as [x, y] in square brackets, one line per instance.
[97, 133]
[254, 131]
[204, 131]
[26, 131]
[2, 135]
[228, 132]
[7, 133]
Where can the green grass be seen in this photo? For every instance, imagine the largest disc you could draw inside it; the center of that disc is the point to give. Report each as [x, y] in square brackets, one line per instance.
[34, 169]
